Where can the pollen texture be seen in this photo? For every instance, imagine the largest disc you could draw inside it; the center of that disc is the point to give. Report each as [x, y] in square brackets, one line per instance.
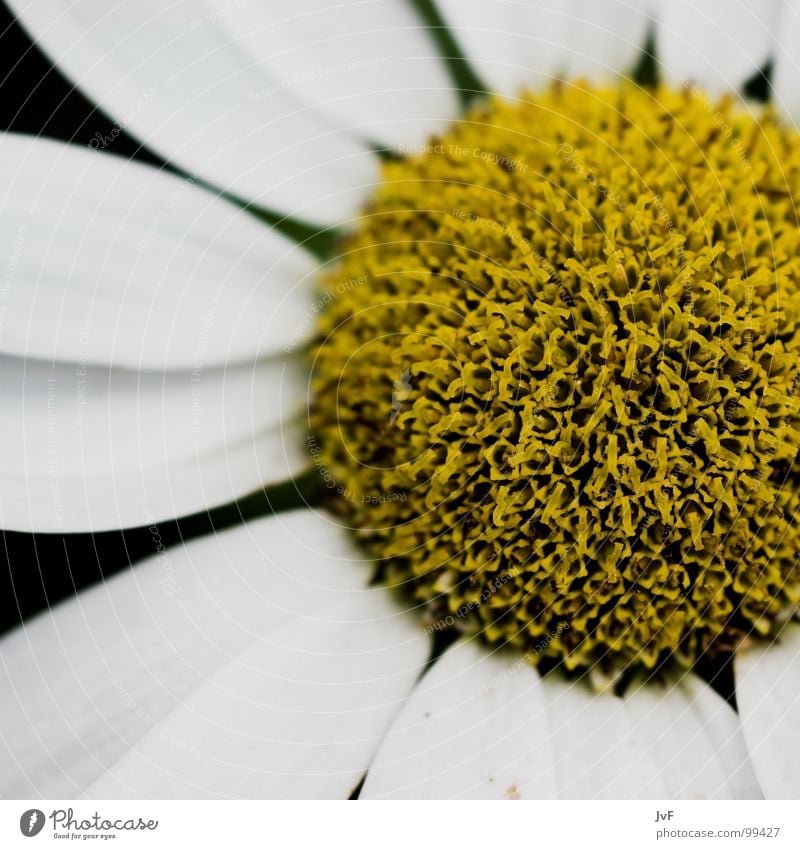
[555, 388]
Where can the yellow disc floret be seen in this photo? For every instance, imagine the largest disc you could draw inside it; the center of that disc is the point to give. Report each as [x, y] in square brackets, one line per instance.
[556, 386]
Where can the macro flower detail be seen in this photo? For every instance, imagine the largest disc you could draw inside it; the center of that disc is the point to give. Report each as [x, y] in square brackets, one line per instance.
[600, 323]
[439, 358]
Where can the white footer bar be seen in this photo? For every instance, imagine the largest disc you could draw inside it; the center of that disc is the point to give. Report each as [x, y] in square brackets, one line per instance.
[400, 825]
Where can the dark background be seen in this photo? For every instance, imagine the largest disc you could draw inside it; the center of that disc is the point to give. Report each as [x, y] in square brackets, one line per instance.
[36, 570]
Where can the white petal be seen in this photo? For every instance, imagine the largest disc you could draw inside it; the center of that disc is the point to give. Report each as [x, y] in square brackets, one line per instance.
[83, 682]
[525, 43]
[605, 36]
[299, 714]
[768, 698]
[169, 74]
[694, 738]
[87, 448]
[724, 729]
[112, 262]
[786, 73]
[674, 742]
[717, 44]
[481, 726]
[366, 64]
[471, 729]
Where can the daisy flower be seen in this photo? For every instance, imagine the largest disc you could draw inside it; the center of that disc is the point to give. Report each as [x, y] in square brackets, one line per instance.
[532, 324]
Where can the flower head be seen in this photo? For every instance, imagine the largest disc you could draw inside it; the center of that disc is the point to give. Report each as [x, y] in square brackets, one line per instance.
[595, 294]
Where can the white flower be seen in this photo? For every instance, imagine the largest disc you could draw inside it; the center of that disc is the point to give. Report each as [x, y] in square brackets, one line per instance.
[148, 330]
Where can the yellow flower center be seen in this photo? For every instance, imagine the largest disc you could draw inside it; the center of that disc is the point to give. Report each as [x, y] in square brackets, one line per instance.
[556, 386]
